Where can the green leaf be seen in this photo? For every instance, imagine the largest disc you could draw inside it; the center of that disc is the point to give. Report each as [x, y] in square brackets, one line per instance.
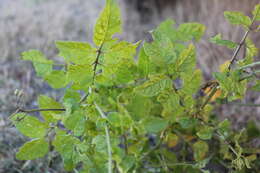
[65, 144]
[189, 31]
[76, 52]
[224, 81]
[237, 18]
[256, 12]
[154, 86]
[75, 122]
[144, 64]
[120, 50]
[224, 128]
[167, 28]
[100, 144]
[170, 101]
[42, 65]
[49, 103]
[33, 149]
[160, 51]
[56, 79]
[29, 126]
[139, 107]
[200, 150]
[251, 50]
[128, 162]
[108, 23]
[186, 61]
[187, 122]
[191, 82]
[205, 133]
[155, 124]
[80, 75]
[219, 41]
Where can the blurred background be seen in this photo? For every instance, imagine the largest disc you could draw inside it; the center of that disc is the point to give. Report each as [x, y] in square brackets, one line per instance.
[36, 24]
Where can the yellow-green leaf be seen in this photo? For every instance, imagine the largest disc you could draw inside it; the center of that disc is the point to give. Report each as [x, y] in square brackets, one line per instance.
[33, 149]
[108, 23]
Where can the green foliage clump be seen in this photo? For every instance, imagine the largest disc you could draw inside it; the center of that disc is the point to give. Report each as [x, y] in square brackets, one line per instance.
[147, 114]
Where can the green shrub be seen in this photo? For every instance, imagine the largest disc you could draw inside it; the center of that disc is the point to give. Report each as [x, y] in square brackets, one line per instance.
[150, 114]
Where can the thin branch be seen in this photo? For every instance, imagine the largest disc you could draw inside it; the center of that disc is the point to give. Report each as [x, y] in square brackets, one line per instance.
[243, 104]
[241, 43]
[96, 62]
[109, 150]
[250, 65]
[38, 110]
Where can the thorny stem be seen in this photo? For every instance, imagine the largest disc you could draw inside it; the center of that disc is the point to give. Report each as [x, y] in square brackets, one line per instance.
[95, 63]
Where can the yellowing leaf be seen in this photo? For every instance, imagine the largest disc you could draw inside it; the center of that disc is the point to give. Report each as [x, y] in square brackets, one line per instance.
[200, 149]
[172, 140]
[217, 94]
[224, 67]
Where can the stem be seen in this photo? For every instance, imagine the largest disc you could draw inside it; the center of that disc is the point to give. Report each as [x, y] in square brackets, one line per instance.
[241, 43]
[109, 150]
[244, 104]
[38, 110]
[96, 62]
[250, 65]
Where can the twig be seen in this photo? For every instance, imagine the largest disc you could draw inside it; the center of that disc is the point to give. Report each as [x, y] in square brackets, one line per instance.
[243, 104]
[38, 110]
[241, 43]
[109, 150]
[96, 62]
